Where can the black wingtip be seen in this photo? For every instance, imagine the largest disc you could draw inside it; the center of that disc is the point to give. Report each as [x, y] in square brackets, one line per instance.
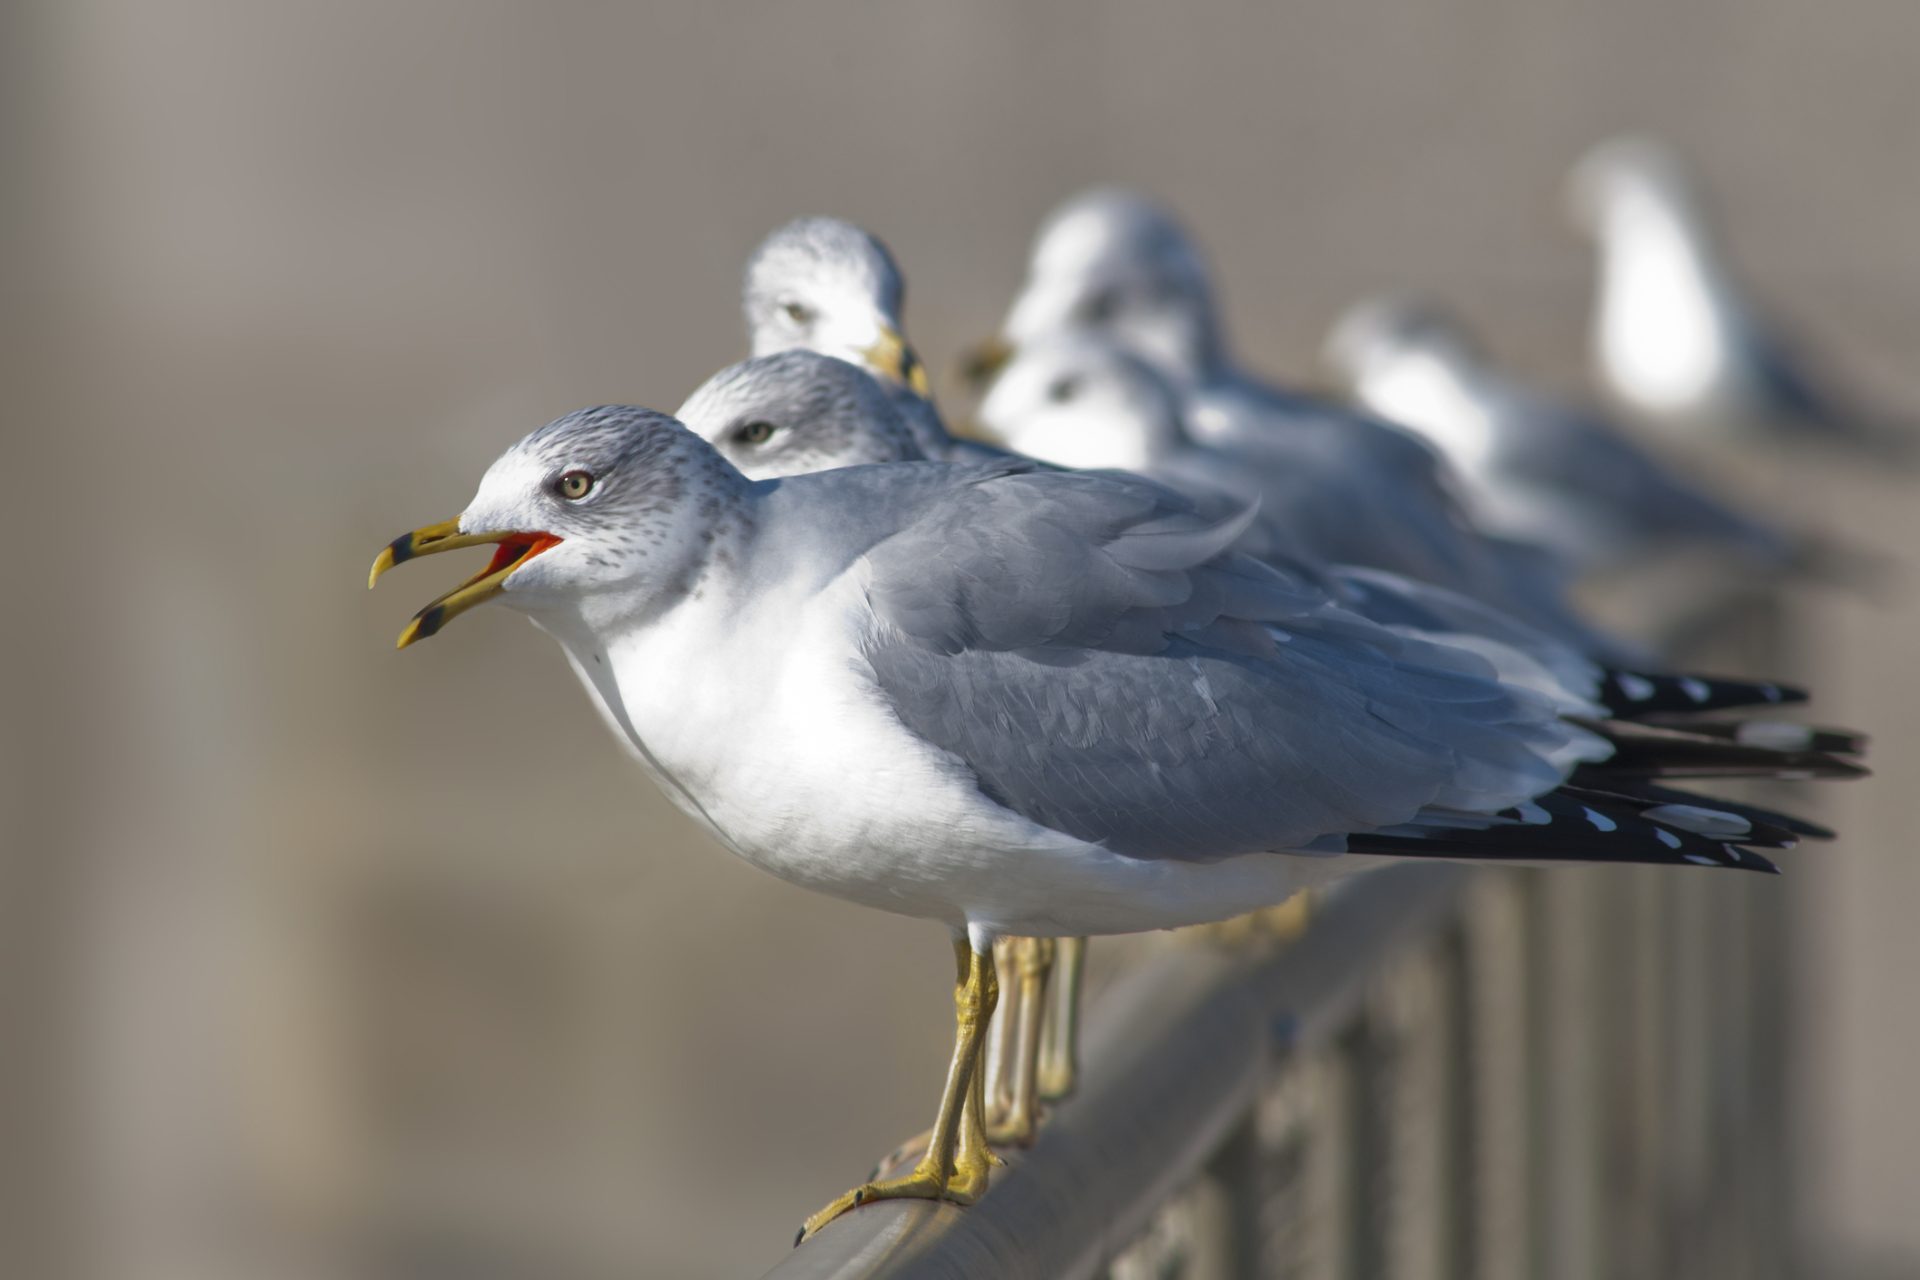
[1636, 695]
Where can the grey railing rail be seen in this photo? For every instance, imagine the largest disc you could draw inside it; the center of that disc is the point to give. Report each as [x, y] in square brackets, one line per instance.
[1179, 1055]
[1451, 1074]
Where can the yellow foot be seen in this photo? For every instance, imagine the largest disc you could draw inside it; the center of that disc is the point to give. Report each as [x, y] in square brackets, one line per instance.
[1012, 1127]
[915, 1148]
[965, 1184]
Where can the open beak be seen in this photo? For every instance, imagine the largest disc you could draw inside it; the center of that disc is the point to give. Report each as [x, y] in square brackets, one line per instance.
[980, 365]
[893, 359]
[511, 549]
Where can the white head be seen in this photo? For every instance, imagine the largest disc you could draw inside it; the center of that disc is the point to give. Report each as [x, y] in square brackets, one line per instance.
[1629, 178]
[795, 412]
[609, 513]
[1076, 401]
[1380, 336]
[821, 284]
[1112, 265]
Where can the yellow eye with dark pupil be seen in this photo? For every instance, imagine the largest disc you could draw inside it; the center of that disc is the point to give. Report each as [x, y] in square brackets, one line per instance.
[576, 485]
[755, 433]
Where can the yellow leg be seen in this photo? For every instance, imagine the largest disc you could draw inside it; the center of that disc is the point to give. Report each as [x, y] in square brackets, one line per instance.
[1015, 1118]
[957, 1162]
[1059, 1056]
[1002, 1032]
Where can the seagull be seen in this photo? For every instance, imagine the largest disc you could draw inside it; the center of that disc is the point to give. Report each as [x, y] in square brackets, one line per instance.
[1019, 702]
[1112, 267]
[1674, 339]
[1535, 468]
[1078, 399]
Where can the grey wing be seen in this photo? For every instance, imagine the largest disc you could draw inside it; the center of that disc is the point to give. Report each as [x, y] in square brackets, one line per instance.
[1082, 646]
[1629, 494]
[1357, 491]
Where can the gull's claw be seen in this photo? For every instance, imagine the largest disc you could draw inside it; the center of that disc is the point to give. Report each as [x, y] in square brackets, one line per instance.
[962, 1184]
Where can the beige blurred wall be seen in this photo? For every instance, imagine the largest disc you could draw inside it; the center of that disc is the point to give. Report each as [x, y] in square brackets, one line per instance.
[365, 956]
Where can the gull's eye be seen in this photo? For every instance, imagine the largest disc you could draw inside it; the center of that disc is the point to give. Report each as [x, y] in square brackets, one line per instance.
[1064, 389]
[1101, 307]
[798, 312]
[755, 432]
[574, 485]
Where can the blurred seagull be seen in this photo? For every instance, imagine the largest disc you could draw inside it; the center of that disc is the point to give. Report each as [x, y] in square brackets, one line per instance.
[1674, 340]
[1535, 469]
[1115, 268]
[1076, 399]
[1018, 702]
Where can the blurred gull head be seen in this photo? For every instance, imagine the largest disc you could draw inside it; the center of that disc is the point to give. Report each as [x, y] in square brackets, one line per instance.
[1410, 360]
[1627, 178]
[1076, 401]
[1381, 334]
[822, 284]
[1114, 265]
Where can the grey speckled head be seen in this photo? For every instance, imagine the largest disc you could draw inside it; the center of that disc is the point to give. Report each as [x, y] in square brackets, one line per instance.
[648, 504]
[798, 411]
[822, 284]
[1114, 264]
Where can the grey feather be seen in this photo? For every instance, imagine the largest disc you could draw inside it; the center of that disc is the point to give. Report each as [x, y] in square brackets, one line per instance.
[1080, 643]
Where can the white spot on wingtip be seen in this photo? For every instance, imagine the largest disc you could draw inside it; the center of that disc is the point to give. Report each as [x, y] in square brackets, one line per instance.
[1638, 688]
[1775, 735]
[1666, 837]
[1533, 815]
[1600, 821]
[1701, 860]
[1771, 692]
[1695, 689]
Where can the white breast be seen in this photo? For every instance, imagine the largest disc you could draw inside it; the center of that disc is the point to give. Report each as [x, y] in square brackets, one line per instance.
[761, 722]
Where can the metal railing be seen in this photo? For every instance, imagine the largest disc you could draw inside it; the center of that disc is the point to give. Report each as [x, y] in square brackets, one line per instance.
[1453, 1074]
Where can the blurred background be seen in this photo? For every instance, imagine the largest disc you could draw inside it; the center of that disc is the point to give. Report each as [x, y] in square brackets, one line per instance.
[323, 960]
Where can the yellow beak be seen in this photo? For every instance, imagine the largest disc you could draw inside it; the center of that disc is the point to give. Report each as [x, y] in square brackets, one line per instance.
[894, 360]
[984, 362]
[512, 549]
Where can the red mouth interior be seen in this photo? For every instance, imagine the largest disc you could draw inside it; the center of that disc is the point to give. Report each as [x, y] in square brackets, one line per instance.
[515, 550]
